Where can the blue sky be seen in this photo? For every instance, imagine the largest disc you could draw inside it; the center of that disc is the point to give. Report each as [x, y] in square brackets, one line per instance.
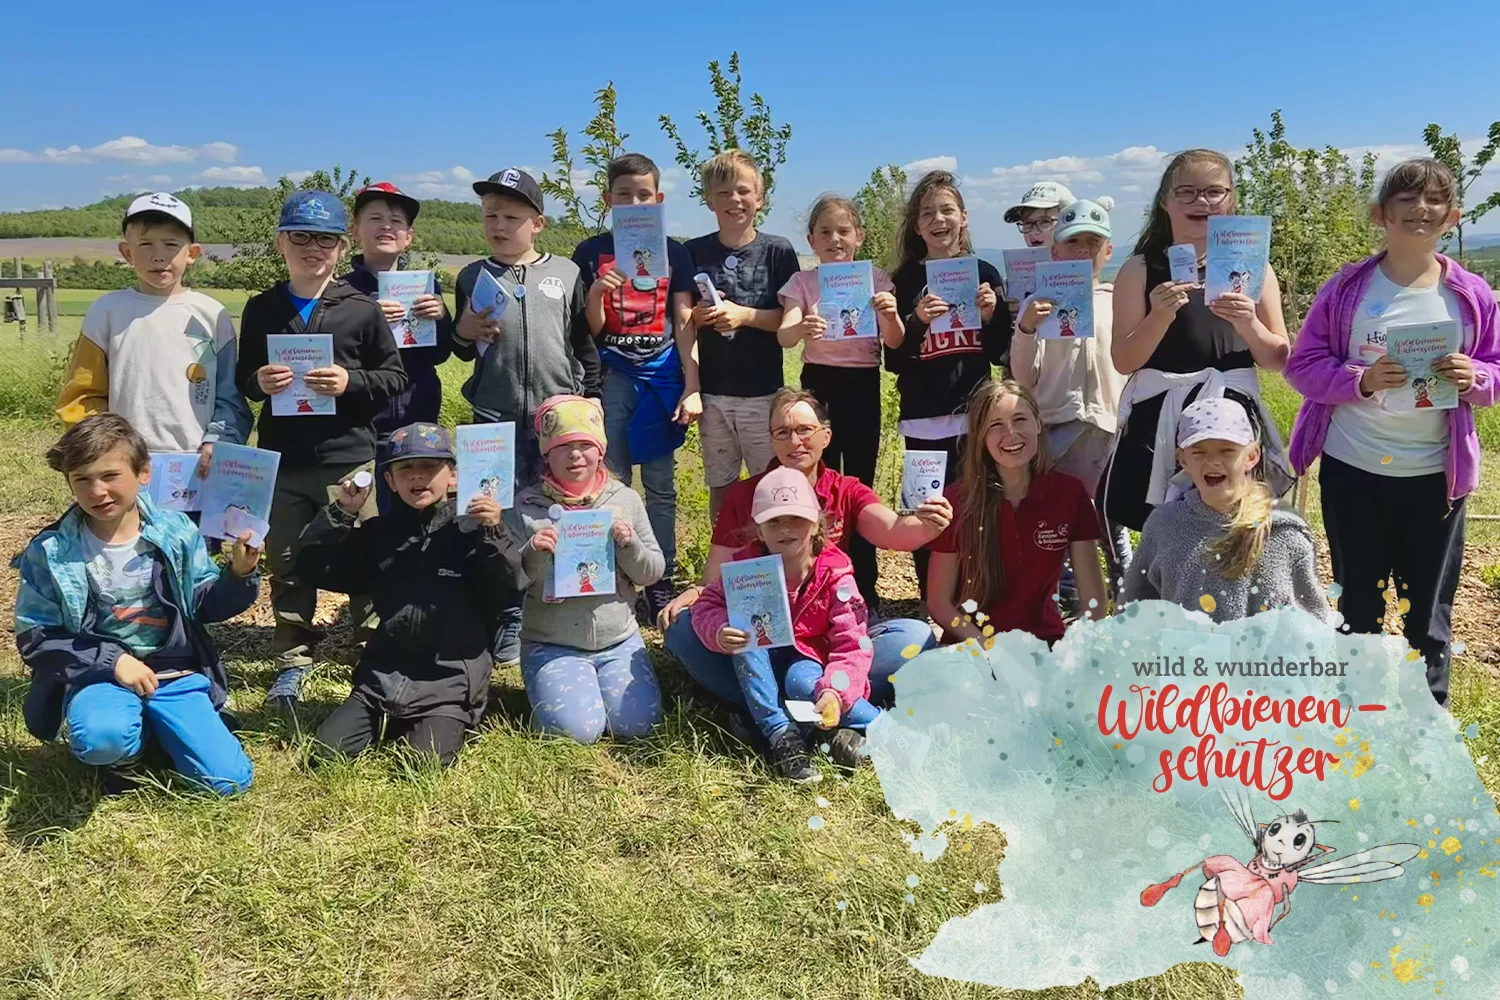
[431, 97]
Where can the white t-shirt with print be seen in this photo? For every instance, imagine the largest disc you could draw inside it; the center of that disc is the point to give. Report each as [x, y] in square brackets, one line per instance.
[123, 591]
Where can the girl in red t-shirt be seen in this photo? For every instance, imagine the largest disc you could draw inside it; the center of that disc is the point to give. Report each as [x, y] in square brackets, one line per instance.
[1016, 519]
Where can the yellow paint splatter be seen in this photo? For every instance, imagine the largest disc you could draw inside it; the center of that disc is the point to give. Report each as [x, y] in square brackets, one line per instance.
[1422, 854]
[1451, 845]
[1412, 656]
[1207, 603]
[1354, 804]
[832, 877]
[953, 814]
[1364, 761]
[966, 849]
[988, 630]
[914, 649]
[1386, 459]
[1057, 743]
[911, 712]
[1339, 739]
[1403, 606]
[1425, 900]
[864, 859]
[1119, 746]
[1412, 823]
[968, 823]
[1403, 972]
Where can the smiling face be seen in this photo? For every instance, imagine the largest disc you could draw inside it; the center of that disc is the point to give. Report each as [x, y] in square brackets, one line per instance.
[510, 226]
[421, 482]
[1221, 470]
[309, 262]
[1287, 841]
[942, 222]
[834, 236]
[735, 200]
[106, 488]
[1012, 433]
[787, 535]
[382, 229]
[160, 254]
[634, 189]
[1212, 191]
[799, 437]
[1415, 220]
[575, 463]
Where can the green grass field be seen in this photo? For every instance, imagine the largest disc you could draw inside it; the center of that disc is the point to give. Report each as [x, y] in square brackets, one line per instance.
[672, 867]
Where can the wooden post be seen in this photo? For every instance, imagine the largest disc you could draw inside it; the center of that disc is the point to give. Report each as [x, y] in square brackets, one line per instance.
[15, 263]
[48, 313]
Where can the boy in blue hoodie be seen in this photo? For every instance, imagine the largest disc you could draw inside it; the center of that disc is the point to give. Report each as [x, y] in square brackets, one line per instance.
[110, 618]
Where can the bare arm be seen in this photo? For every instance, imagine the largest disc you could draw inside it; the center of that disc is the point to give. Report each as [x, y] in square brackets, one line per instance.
[885, 529]
[1267, 338]
[686, 336]
[1137, 331]
[942, 598]
[790, 333]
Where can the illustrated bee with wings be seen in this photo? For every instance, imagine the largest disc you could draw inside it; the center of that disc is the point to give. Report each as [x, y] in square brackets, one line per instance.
[1238, 902]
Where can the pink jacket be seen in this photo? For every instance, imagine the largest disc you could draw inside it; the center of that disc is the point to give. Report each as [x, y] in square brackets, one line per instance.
[1319, 367]
[827, 626]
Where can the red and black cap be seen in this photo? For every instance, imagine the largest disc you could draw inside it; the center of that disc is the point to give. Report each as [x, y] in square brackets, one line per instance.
[386, 191]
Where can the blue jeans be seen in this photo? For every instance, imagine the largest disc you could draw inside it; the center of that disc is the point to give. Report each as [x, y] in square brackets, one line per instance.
[658, 476]
[578, 693]
[109, 724]
[1116, 561]
[748, 680]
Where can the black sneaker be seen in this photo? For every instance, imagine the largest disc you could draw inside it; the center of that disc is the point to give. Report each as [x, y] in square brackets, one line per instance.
[117, 779]
[847, 749]
[789, 757]
[658, 596]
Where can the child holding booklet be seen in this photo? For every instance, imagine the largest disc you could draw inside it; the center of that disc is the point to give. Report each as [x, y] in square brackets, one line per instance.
[437, 577]
[829, 664]
[582, 658]
[1017, 518]
[317, 452]
[936, 372]
[1395, 477]
[1175, 347]
[1223, 548]
[844, 374]
[110, 618]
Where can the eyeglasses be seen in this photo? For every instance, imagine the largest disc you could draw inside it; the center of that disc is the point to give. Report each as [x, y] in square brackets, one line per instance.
[325, 241]
[804, 432]
[1037, 226]
[1186, 194]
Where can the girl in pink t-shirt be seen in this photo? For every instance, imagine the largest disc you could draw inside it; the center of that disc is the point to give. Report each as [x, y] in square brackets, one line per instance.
[842, 371]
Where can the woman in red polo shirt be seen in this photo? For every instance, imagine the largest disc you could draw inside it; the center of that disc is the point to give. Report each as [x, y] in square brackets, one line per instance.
[1004, 550]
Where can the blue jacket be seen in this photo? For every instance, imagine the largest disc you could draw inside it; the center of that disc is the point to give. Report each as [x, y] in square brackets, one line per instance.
[55, 616]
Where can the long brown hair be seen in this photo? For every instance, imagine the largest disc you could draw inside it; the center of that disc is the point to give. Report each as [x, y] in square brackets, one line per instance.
[1157, 235]
[911, 247]
[981, 568]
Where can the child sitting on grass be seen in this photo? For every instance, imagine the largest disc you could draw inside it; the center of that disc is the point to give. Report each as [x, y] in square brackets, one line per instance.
[1221, 547]
[437, 579]
[110, 618]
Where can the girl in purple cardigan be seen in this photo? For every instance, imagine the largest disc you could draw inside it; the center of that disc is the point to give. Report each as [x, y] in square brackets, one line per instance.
[1395, 474]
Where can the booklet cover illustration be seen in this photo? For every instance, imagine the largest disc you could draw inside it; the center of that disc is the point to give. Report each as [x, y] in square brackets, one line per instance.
[174, 480]
[238, 477]
[1182, 259]
[1417, 346]
[640, 234]
[755, 597]
[846, 293]
[922, 476]
[301, 352]
[404, 287]
[486, 463]
[1020, 270]
[584, 563]
[1069, 284]
[955, 280]
[1239, 248]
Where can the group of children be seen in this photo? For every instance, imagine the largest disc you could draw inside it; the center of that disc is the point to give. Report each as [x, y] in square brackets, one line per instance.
[1155, 423]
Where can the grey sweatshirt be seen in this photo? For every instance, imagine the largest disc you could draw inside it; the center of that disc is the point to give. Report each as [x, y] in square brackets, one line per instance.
[589, 623]
[545, 346]
[1172, 564]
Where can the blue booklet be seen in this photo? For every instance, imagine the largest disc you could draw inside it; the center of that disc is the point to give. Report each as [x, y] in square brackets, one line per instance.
[846, 294]
[174, 480]
[755, 596]
[1239, 248]
[584, 563]
[640, 234]
[1417, 346]
[1020, 270]
[404, 287]
[486, 456]
[239, 478]
[301, 352]
[1182, 262]
[489, 294]
[955, 280]
[1069, 284]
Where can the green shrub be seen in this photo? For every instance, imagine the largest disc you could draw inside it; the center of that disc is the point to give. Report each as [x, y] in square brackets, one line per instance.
[31, 373]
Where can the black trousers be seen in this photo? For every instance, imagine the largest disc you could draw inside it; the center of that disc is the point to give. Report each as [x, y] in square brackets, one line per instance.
[852, 398]
[354, 726]
[955, 449]
[1383, 528]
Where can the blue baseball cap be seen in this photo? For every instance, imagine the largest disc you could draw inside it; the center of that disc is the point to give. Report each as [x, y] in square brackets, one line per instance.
[419, 440]
[314, 212]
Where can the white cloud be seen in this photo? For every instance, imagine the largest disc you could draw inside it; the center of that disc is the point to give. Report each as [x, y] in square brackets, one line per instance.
[916, 168]
[454, 184]
[298, 176]
[236, 176]
[136, 181]
[127, 149]
[671, 179]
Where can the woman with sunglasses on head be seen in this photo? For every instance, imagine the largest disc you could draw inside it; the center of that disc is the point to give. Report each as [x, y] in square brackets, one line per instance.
[1175, 347]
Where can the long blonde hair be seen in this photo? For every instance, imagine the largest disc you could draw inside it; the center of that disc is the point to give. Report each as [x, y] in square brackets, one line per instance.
[1157, 234]
[981, 568]
[1240, 547]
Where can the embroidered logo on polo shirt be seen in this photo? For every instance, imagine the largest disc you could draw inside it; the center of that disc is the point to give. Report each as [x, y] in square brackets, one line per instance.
[1051, 537]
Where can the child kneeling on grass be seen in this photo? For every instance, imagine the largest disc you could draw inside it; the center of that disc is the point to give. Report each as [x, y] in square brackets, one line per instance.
[830, 662]
[438, 580]
[1221, 547]
[582, 658]
[110, 618]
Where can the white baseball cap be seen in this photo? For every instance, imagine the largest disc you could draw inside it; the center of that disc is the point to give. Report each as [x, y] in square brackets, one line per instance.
[160, 203]
[1043, 194]
[1215, 419]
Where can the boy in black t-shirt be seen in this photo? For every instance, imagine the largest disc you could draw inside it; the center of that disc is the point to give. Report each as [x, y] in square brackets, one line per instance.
[738, 354]
[647, 344]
